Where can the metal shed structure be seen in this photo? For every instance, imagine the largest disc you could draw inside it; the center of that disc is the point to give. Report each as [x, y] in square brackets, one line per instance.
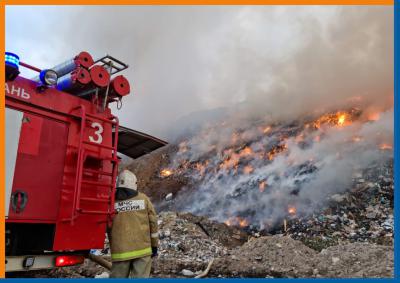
[135, 144]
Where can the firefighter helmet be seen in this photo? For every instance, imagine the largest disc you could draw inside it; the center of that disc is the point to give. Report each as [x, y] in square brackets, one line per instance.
[127, 179]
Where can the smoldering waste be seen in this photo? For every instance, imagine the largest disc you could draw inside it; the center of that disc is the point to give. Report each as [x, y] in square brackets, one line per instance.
[262, 174]
[257, 174]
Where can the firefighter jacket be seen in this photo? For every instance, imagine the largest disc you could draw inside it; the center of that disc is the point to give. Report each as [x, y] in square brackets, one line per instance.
[134, 230]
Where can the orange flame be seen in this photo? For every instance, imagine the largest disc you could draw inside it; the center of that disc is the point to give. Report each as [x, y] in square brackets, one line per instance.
[246, 151]
[230, 162]
[166, 172]
[341, 120]
[228, 222]
[292, 210]
[233, 158]
[243, 223]
[274, 151]
[385, 146]
[237, 221]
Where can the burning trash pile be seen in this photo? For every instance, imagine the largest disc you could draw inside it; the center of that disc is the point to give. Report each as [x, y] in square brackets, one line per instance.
[258, 175]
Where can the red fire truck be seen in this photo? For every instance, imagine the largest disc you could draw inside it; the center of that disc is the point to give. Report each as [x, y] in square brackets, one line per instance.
[61, 158]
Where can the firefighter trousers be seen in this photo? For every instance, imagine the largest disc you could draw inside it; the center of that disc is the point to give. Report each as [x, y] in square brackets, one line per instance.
[133, 268]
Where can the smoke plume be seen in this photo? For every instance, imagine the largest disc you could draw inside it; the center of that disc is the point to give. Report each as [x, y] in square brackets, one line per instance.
[220, 76]
[250, 60]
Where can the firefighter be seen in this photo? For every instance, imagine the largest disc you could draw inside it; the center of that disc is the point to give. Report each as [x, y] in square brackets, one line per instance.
[134, 231]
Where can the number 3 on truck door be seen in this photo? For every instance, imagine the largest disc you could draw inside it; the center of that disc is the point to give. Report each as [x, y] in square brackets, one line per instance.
[99, 130]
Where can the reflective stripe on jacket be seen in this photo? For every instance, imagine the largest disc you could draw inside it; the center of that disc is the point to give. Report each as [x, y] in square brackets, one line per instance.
[134, 230]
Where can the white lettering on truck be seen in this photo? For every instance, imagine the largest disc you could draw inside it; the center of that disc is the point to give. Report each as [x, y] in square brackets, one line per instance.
[17, 91]
[99, 130]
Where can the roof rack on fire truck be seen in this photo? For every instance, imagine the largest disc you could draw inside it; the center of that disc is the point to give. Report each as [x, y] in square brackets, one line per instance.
[109, 61]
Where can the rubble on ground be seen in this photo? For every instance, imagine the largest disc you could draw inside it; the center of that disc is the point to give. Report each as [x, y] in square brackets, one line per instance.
[282, 257]
[188, 243]
[271, 256]
[363, 214]
[361, 260]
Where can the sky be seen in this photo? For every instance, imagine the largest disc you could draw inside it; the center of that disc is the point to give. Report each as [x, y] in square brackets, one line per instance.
[284, 61]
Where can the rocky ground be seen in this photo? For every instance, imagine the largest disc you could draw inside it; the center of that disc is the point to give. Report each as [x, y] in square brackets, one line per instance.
[281, 256]
[188, 243]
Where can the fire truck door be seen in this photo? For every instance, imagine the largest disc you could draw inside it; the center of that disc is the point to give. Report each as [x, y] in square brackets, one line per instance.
[39, 169]
[13, 129]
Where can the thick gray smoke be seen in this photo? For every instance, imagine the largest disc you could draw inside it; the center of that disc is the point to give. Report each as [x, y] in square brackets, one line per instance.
[347, 61]
[275, 61]
[238, 68]
[239, 175]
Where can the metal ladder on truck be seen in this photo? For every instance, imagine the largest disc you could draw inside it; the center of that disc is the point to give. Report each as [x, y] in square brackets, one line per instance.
[80, 181]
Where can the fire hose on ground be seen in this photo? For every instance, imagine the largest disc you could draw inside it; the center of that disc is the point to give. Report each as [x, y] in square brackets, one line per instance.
[106, 264]
[100, 261]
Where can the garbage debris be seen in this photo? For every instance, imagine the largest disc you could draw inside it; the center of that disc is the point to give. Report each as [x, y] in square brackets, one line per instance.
[169, 197]
[187, 273]
[187, 249]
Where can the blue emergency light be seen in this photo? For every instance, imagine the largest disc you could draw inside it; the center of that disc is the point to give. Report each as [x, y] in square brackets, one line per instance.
[12, 59]
[12, 66]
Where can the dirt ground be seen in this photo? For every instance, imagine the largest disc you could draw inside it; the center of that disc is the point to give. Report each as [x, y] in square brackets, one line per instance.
[188, 243]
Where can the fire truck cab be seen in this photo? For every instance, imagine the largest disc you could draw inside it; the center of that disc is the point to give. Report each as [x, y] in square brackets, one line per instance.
[61, 159]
